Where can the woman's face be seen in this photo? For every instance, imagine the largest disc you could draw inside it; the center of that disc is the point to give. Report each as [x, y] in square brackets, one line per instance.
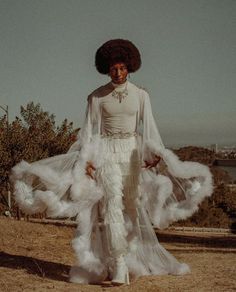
[118, 73]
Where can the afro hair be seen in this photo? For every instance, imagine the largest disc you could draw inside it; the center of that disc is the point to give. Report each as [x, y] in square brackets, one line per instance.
[117, 50]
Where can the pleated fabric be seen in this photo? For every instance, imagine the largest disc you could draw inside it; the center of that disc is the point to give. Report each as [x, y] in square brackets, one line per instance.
[127, 226]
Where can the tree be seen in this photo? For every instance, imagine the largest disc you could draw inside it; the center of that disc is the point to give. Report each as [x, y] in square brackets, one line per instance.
[31, 137]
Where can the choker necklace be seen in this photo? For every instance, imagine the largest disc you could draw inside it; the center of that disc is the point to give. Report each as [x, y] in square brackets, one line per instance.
[120, 94]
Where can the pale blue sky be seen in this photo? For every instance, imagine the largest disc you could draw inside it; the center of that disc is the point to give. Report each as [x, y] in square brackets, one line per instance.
[188, 52]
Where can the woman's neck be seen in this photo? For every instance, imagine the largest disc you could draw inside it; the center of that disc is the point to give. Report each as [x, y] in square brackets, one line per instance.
[119, 86]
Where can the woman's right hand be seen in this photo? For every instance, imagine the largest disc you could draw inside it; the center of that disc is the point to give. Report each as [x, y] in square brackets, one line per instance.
[90, 168]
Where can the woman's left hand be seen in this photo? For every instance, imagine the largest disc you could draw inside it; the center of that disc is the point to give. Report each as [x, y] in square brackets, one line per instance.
[90, 168]
[154, 163]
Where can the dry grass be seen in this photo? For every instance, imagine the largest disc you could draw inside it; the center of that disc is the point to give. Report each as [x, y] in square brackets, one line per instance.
[37, 257]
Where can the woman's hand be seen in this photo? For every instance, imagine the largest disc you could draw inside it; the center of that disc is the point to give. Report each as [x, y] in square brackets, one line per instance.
[90, 169]
[154, 163]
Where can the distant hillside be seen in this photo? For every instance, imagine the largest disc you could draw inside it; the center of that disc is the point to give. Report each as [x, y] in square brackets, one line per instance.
[194, 153]
[220, 209]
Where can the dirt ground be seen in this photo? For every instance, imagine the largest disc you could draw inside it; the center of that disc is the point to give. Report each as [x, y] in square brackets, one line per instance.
[37, 257]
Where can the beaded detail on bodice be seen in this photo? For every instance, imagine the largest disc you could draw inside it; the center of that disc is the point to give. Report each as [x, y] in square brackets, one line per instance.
[119, 116]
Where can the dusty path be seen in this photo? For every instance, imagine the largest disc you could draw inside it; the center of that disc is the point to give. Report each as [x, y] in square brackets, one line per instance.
[37, 257]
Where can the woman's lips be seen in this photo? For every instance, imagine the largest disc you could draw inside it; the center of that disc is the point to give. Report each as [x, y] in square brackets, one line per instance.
[118, 79]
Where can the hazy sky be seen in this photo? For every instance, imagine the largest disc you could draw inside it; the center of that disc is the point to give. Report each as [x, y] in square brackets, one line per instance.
[188, 50]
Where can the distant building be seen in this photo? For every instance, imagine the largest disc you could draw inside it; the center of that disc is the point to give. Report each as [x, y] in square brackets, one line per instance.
[214, 148]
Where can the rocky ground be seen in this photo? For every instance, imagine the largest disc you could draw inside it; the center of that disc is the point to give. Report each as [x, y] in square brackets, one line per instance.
[37, 257]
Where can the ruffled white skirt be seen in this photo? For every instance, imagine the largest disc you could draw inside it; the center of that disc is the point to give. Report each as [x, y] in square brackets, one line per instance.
[127, 227]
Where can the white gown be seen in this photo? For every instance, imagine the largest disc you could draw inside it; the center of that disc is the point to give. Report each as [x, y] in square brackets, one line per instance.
[115, 211]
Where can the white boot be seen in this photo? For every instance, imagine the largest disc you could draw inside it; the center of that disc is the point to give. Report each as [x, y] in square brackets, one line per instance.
[120, 272]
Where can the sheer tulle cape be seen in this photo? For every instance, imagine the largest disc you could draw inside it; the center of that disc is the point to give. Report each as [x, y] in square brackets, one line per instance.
[59, 186]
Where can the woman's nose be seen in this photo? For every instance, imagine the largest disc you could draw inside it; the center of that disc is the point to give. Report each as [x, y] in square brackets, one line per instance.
[118, 72]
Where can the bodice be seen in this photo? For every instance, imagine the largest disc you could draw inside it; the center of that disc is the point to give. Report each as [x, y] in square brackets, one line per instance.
[119, 115]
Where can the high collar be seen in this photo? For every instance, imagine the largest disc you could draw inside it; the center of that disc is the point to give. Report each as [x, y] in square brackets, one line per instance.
[120, 86]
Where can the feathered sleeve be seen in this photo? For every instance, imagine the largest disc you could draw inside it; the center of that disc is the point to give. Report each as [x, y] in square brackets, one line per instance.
[44, 185]
[175, 188]
[89, 126]
[151, 133]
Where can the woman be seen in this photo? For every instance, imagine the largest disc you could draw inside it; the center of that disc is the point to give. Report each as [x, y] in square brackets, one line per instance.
[116, 179]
